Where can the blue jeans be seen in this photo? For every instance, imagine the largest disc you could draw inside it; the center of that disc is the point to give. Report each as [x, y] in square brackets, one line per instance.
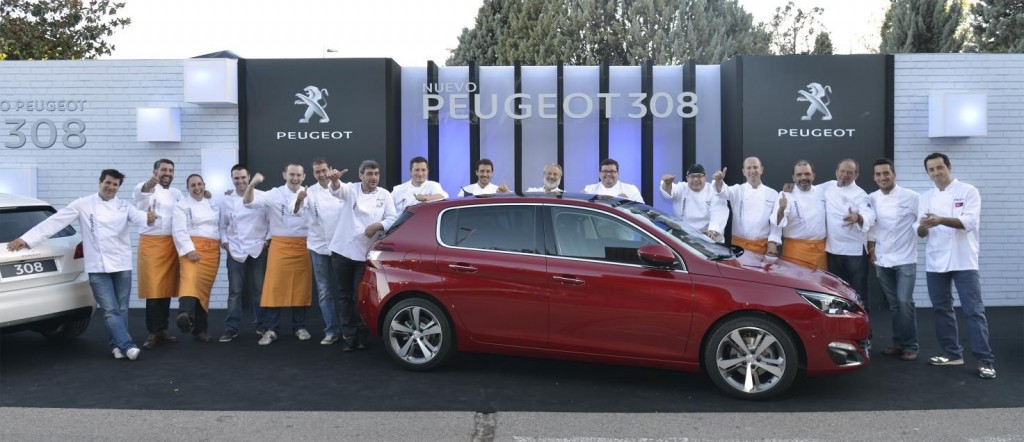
[968, 287]
[272, 317]
[327, 289]
[242, 276]
[111, 291]
[349, 274]
[853, 270]
[898, 287]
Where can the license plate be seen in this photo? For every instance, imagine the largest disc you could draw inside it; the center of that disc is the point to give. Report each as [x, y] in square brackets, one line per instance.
[28, 268]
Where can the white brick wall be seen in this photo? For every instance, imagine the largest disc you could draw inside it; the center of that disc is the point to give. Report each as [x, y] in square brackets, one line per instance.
[112, 90]
[992, 163]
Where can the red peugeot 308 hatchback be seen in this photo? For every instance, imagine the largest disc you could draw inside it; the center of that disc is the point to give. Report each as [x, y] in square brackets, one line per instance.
[602, 280]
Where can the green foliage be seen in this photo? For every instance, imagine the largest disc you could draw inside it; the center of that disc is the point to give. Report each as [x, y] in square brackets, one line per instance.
[913, 26]
[998, 25]
[822, 44]
[619, 32]
[57, 29]
[793, 30]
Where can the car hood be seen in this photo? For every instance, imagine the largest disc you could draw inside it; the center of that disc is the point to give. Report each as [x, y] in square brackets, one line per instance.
[774, 271]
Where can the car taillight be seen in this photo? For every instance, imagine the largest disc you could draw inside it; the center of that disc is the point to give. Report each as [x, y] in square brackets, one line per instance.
[79, 252]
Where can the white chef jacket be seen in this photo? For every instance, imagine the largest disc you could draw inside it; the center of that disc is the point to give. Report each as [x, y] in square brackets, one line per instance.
[358, 211]
[475, 189]
[848, 240]
[280, 205]
[950, 249]
[322, 210]
[620, 188]
[194, 218]
[751, 210]
[893, 233]
[702, 210]
[404, 194]
[804, 217]
[244, 229]
[106, 238]
[162, 202]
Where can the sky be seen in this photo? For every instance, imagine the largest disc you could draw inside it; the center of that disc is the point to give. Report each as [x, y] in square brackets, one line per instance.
[410, 31]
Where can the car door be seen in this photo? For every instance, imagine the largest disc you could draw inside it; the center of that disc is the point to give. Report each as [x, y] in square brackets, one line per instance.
[603, 301]
[495, 275]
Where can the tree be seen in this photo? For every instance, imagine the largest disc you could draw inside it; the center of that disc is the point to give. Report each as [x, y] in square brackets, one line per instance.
[793, 30]
[712, 31]
[912, 26]
[822, 44]
[57, 29]
[998, 25]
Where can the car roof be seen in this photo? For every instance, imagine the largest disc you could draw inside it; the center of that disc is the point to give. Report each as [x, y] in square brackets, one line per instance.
[534, 197]
[8, 200]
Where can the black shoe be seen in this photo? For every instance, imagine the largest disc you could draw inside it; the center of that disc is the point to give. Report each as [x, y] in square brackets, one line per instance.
[349, 344]
[203, 337]
[363, 339]
[184, 322]
[150, 341]
[229, 335]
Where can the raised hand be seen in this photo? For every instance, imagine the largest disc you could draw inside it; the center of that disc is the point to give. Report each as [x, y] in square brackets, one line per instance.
[851, 217]
[207, 194]
[668, 178]
[719, 176]
[256, 179]
[301, 195]
[336, 174]
[229, 192]
[150, 216]
[503, 188]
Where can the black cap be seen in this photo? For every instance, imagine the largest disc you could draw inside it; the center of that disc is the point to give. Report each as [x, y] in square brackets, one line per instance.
[696, 168]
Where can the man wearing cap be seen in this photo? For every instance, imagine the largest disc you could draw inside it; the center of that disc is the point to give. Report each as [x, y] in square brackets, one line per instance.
[696, 203]
[552, 179]
[752, 204]
[610, 184]
[800, 213]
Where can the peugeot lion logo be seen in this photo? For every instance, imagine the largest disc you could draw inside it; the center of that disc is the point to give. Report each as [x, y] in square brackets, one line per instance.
[817, 95]
[312, 99]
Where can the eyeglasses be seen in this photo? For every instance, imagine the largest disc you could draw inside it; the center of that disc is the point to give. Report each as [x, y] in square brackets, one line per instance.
[609, 172]
[696, 175]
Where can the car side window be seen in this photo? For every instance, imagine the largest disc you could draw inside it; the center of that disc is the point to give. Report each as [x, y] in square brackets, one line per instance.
[593, 235]
[511, 228]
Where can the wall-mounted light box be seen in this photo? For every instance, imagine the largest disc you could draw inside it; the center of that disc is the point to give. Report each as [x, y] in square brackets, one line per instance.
[216, 164]
[158, 124]
[211, 81]
[19, 180]
[957, 115]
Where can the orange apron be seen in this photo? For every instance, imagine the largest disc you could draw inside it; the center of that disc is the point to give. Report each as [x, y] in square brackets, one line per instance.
[809, 253]
[158, 267]
[751, 245]
[197, 277]
[289, 278]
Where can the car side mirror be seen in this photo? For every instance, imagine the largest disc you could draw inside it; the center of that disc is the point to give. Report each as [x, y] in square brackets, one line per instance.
[658, 256]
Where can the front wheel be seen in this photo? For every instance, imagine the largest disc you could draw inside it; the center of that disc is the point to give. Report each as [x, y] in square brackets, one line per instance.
[751, 358]
[418, 335]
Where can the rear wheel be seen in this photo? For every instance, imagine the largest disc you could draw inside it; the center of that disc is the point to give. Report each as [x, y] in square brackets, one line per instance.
[751, 358]
[71, 328]
[417, 335]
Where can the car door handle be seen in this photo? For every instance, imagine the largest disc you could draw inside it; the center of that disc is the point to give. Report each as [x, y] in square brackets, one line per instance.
[460, 267]
[565, 280]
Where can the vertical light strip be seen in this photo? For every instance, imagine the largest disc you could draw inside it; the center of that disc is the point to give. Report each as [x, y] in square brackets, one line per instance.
[709, 119]
[453, 133]
[540, 131]
[497, 137]
[414, 127]
[580, 134]
[668, 130]
[623, 130]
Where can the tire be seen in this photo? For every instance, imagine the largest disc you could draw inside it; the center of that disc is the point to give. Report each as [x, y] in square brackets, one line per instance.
[751, 358]
[71, 328]
[417, 335]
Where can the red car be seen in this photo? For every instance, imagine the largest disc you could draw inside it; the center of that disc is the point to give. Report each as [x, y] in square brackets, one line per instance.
[603, 280]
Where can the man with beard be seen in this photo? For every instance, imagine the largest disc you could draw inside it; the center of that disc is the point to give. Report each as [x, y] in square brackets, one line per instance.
[245, 238]
[367, 211]
[289, 280]
[696, 203]
[848, 218]
[483, 184]
[610, 184]
[322, 210]
[802, 220]
[552, 179]
[752, 204]
[418, 189]
[157, 256]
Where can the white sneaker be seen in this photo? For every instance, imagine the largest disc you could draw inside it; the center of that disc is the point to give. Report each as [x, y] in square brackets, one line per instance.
[133, 353]
[329, 339]
[302, 334]
[117, 353]
[268, 337]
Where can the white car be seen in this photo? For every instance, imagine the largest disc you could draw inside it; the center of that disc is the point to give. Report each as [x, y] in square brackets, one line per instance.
[45, 288]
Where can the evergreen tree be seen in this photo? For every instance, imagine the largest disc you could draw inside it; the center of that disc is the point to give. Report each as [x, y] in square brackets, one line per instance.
[913, 26]
[712, 31]
[822, 44]
[793, 30]
[57, 29]
[998, 25]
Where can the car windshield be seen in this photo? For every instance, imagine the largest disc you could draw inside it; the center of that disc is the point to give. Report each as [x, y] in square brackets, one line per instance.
[675, 227]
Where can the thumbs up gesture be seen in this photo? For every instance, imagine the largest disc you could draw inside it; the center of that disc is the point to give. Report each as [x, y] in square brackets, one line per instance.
[301, 195]
[256, 179]
[719, 176]
[150, 216]
[503, 188]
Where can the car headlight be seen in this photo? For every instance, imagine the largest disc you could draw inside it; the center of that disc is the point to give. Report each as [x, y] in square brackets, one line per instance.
[829, 304]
